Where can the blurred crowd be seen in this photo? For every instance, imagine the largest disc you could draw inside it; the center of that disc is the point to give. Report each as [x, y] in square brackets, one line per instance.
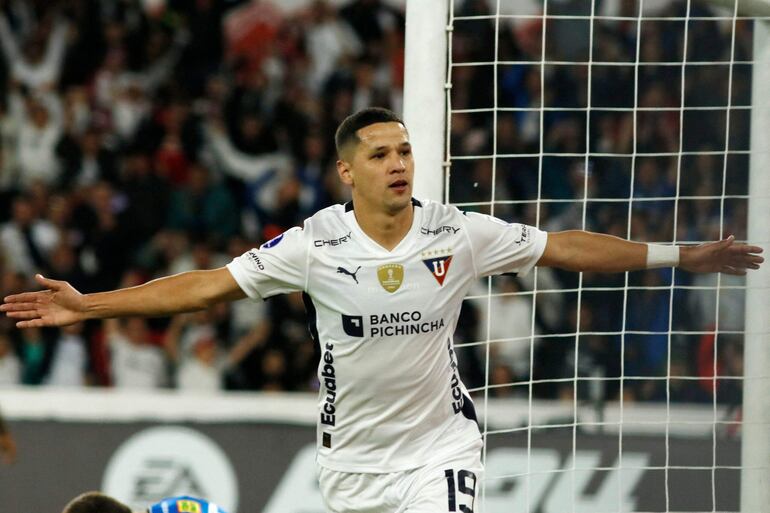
[139, 139]
[648, 140]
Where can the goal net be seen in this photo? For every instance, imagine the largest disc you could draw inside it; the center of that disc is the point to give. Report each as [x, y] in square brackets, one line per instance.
[644, 391]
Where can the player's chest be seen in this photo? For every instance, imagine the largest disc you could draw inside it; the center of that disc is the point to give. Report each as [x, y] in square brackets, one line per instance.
[426, 271]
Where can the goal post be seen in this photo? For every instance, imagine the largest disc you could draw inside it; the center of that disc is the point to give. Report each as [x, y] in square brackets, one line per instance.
[424, 92]
[755, 480]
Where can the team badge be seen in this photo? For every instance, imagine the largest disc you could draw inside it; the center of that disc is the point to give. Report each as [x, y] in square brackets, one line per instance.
[391, 276]
[438, 267]
[188, 506]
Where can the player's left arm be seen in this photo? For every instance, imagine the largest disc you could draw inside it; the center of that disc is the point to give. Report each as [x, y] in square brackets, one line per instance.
[577, 250]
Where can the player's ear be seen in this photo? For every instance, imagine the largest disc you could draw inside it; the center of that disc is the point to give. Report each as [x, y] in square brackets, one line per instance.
[345, 172]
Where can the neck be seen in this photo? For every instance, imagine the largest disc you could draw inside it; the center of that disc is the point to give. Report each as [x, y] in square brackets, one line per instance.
[385, 228]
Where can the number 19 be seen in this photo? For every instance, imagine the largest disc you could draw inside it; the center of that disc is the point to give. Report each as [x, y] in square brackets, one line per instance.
[462, 487]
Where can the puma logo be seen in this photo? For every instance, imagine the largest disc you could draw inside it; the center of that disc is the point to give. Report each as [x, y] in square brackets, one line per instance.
[342, 270]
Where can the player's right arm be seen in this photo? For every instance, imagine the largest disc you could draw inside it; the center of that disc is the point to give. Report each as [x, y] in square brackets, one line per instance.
[61, 304]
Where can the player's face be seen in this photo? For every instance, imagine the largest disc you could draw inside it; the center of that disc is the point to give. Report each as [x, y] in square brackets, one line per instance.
[380, 168]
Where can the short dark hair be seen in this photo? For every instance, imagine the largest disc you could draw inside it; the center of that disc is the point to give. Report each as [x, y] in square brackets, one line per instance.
[346, 132]
[95, 502]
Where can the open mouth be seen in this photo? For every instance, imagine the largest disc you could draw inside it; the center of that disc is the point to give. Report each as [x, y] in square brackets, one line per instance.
[398, 184]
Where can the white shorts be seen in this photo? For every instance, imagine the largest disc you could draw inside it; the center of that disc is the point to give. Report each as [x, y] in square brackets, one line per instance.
[445, 486]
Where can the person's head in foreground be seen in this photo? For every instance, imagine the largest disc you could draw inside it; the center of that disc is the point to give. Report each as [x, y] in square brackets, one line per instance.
[97, 502]
[375, 159]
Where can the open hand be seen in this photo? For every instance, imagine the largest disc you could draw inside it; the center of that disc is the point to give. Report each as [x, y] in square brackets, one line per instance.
[724, 256]
[59, 305]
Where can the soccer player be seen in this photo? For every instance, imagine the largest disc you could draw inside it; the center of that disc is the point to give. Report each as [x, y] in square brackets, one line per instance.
[384, 276]
[96, 502]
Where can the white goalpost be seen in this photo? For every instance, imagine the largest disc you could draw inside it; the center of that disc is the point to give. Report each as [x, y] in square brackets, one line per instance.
[755, 489]
[593, 441]
[425, 101]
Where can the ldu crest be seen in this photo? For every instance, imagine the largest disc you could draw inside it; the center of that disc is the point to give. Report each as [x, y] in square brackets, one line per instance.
[439, 267]
[391, 276]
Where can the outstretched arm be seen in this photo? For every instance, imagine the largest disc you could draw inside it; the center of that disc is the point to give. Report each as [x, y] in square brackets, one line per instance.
[577, 250]
[8, 41]
[241, 165]
[60, 304]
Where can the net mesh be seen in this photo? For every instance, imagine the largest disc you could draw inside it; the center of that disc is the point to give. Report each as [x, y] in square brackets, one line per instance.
[604, 392]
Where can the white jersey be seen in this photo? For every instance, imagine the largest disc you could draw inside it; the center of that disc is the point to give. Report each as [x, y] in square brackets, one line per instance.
[390, 397]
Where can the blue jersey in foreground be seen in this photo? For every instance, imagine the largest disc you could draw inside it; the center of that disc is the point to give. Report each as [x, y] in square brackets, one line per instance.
[184, 504]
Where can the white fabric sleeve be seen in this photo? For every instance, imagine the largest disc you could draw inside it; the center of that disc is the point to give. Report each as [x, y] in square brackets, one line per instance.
[277, 267]
[499, 247]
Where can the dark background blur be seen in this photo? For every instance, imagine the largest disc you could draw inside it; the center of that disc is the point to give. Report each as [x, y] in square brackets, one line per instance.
[137, 142]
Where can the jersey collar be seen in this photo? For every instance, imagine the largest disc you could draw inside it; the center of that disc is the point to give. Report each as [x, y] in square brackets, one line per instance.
[349, 204]
[350, 219]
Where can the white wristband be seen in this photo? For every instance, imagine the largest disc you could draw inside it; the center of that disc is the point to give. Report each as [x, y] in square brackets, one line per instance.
[659, 255]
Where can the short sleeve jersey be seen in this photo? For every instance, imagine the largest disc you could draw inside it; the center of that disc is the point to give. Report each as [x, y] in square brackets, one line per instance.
[184, 504]
[390, 395]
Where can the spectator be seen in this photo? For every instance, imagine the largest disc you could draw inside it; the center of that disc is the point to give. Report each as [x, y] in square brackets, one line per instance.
[246, 345]
[245, 316]
[311, 173]
[86, 160]
[262, 175]
[329, 40]
[203, 55]
[290, 335]
[10, 366]
[26, 240]
[64, 265]
[38, 64]
[35, 353]
[77, 111]
[9, 170]
[203, 207]
[136, 361]
[126, 95]
[274, 371]
[502, 381]
[372, 20]
[108, 235]
[147, 194]
[648, 314]
[40, 121]
[512, 334]
[173, 135]
[250, 31]
[728, 368]
[194, 345]
[70, 358]
[367, 90]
